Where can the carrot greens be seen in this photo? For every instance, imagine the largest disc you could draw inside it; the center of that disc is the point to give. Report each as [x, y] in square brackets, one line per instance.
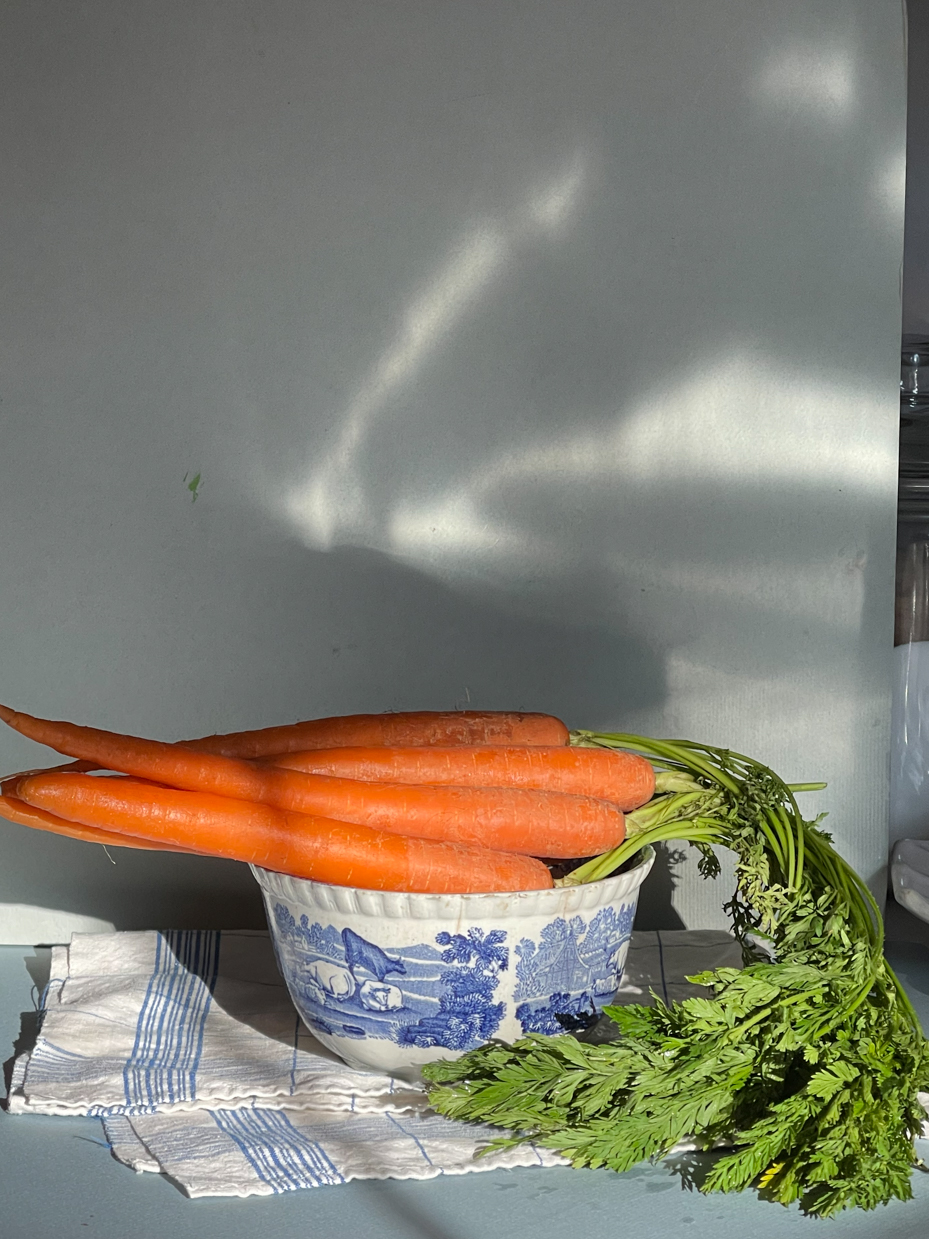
[805, 1064]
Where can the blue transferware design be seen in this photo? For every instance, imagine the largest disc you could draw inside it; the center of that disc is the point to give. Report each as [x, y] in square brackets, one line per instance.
[358, 951]
[466, 1016]
[420, 996]
[564, 980]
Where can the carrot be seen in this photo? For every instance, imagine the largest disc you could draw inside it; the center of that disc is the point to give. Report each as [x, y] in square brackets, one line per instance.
[625, 779]
[412, 728]
[339, 853]
[538, 823]
[15, 810]
[420, 727]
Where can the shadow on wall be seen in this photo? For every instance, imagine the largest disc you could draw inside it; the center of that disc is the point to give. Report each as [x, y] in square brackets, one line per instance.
[655, 909]
[394, 639]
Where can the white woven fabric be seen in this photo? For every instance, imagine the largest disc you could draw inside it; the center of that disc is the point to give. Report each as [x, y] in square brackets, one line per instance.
[187, 1046]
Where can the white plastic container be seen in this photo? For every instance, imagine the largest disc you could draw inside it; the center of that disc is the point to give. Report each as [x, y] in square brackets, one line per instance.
[909, 876]
[391, 981]
[909, 768]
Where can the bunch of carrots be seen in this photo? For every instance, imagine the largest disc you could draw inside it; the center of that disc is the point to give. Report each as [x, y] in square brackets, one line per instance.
[458, 802]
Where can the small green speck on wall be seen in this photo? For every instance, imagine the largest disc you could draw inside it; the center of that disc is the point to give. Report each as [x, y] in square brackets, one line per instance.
[192, 485]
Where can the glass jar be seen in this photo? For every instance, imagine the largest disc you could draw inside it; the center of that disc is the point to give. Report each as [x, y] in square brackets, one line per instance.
[914, 377]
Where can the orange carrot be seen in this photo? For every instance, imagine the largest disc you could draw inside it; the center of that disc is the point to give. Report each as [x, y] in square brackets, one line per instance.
[15, 810]
[625, 779]
[412, 728]
[420, 727]
[538, 823]
[339, 853]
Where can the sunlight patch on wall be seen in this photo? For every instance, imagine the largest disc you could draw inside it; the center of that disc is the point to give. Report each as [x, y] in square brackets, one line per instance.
[331, 505]
[23, 924]
[819, 79]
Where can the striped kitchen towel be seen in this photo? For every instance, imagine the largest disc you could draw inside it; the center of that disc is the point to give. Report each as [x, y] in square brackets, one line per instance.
[187, 1046]
[136, 1023]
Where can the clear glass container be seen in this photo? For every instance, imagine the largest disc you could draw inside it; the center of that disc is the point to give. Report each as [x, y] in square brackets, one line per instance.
[909, 773]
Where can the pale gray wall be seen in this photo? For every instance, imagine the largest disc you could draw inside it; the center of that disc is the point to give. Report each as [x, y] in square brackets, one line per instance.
[535, 355]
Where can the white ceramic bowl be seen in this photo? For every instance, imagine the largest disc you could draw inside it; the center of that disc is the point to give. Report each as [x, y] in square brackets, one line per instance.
[391, 981]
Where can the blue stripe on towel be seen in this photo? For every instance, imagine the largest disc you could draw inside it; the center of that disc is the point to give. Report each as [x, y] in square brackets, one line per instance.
[419, 1144]
[280, 1154]
[55, 1064]
[169, 1034]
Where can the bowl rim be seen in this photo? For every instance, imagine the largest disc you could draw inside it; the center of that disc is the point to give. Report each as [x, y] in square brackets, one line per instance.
[420, 905]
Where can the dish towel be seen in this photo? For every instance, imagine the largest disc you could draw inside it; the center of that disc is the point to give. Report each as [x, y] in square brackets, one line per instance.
[187, 1046]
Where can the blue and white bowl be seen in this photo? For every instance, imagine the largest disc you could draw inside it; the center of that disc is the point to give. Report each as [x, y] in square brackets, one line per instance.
[390, 981]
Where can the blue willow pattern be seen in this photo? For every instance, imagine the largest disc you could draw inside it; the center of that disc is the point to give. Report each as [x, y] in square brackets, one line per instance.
[446, 995]
[346, 985]
[467, 1015]
[564, 980]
